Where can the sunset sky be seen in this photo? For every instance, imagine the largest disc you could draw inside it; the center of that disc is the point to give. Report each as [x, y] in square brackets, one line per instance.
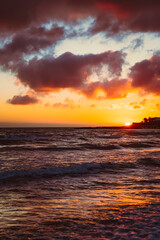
[83, 62]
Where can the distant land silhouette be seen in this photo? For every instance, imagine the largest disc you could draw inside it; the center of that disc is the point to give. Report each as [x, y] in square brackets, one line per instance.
[153, 123]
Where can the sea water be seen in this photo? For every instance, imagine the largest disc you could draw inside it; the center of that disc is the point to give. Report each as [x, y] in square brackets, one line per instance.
[79, 183]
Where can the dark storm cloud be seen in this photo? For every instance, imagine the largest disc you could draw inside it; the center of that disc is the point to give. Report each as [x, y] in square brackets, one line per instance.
[146, 74]
[112, 15]
[18, 14]
[136, 16]
[23, 22]
[67, 70]
[23, 100]
[27, 42]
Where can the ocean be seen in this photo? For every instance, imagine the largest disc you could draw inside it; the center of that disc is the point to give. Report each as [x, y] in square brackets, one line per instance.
[79, 183]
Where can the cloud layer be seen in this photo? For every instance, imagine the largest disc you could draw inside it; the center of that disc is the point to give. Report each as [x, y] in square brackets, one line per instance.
[23, 100]
[112, 15]
[146, 74]
[27, 27]
[28, 42]
[72, 71]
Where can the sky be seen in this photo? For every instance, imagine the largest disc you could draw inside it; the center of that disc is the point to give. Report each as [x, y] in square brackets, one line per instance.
[79, 63]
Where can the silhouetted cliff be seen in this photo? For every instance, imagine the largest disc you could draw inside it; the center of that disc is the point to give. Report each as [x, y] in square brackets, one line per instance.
[153, 123]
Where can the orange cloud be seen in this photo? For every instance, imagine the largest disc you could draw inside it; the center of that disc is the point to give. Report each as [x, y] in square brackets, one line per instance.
[67, 71]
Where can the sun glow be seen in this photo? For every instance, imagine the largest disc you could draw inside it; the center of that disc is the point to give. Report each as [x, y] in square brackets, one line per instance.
[127, 124]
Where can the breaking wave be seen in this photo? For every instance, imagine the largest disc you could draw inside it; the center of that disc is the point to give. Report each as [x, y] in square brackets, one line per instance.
[72, 170]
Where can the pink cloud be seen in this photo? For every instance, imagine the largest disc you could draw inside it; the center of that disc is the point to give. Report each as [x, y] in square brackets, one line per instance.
[68, 103]
[70, 71]
[146, 74]
[23, 100]
[59, 104]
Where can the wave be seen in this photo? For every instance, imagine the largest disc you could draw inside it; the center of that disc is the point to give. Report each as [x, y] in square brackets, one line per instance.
[44, 146]
[143, 132]
[149, 162]
[148, 181]
[111, 136]
[76, 147]
[137, 145]
[17, 137]
[27, 137]
[99, 146]
[72, 170]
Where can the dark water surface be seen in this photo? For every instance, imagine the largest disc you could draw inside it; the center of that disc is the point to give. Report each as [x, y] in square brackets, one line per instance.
[66, 183]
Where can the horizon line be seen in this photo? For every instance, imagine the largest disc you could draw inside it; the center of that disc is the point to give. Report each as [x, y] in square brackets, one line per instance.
[30, 124]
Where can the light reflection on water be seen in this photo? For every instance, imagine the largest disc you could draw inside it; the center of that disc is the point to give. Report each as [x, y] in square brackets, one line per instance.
[36, 208]
[100, 193]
